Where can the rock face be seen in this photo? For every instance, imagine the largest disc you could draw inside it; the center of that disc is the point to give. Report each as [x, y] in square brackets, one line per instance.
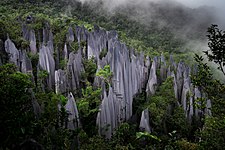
[108, 116]
[132, 73]
[163, 68]
[71, 108]
[74, 69]
[70, 35]
[97, 41]
[152, 82]
[81, 34]
[144, 123]
[186, 99]
[29, 35]
[32, 39]
[26, 66]
[47, 63]
[12, 52]
[18, 57]
[60, 82]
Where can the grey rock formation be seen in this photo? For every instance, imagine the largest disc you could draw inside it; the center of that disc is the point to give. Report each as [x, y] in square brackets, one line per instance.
[197, 95]
[74, 70]
[130, 74]
[25, 32]
[71, 108]
[12, 52]
[50, 42]
[207, 104]
[110, 113]
[36, 106]
[47, 62]
[26, 66]
[70, 35]
[29, 35]
[104, 120]
[96, 42]
[144, 123]
[81, 34]
[180, 79]
[152, 81]
[175, 85]
[172, 63]
[60, 82]
[186, 91]
[163, 68]
[32, 39]
[65, 52]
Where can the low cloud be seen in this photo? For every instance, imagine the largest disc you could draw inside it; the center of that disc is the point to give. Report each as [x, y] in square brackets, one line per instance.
[215, 6]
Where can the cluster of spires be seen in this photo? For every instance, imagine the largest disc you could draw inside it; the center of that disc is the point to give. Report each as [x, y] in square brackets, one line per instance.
[132, 73]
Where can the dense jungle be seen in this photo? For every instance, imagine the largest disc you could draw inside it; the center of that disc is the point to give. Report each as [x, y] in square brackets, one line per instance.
[93, 75]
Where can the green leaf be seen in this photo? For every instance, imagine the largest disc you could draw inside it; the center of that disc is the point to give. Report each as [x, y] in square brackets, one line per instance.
[146, 134]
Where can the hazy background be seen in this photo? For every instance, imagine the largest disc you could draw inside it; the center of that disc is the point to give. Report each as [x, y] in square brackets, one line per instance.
[217, 7]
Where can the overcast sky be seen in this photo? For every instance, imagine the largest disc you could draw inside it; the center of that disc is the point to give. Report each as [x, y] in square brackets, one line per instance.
[190, 3]
[197, 3]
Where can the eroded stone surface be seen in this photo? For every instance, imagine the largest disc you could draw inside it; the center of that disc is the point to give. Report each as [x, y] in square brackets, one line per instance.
[71, 108]
[144, 123]
[12, 52]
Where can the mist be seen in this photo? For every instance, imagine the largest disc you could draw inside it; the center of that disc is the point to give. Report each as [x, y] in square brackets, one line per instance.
[186, 19]
[216, 7]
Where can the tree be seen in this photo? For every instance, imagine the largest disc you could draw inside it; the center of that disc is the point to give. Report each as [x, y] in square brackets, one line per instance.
[216, 38]
[212, 132]
[15, 105]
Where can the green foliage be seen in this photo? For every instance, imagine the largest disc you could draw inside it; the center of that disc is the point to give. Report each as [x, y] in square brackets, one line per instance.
[62, 63]
[103, 53]
[74, 46]
[204, 77]
[123, 135]
[10, 26]
[168, 121]
[147, 135]
[177, 123]
[185, 145]
[95, 142]
[15, 105]
[212, 134]
[34, 61]
[139, 102]
[17, 118]
[90, 101]
[158, 103]
[83, 44]
[186, 57]
[105, 73]
[50, 126]
[41, 80]
[88, 107]
[90, 68]
[88, 26]
[216, 43]
[165, 115]
[25, 44]
[212, 88]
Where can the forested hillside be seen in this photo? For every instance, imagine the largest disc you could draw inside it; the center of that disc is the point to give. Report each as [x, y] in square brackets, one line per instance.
[78, 75]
